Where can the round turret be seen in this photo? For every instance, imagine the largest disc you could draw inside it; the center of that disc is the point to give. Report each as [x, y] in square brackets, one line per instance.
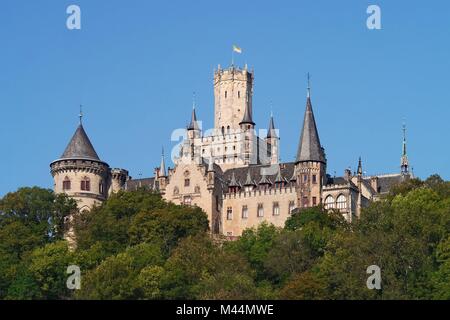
[80, 173]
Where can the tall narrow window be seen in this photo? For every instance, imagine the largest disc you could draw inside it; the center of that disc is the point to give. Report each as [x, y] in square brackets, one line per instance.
[226, 93]
[260, 210]
[341, 202]
[85, 184]
[314, 201]
[100, 187]
[314, 178]
[329, 202]
[187, 182]
[276, 209]
[229, 213]
[66, 183]
[244, 212]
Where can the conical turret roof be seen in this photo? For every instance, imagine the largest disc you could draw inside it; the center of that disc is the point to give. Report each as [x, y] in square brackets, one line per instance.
[309, 148]
[80, 147]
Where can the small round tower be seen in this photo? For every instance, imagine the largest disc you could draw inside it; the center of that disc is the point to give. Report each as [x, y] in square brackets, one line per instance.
[119, 178]
[80, 173]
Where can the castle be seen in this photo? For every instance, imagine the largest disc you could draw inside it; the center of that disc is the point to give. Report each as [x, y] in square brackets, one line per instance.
[230, 171]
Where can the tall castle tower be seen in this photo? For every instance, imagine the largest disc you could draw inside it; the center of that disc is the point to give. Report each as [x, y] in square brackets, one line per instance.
[233, 91]
[310, 164]
[81, 174]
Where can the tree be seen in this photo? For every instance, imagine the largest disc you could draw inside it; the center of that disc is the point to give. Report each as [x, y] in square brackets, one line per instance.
[32, 217]
[117, 277]
[48, 267]
[255, 244]
[199, 269]
[166, 226]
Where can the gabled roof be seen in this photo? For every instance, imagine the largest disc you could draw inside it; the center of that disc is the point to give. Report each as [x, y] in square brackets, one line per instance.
[80, 147]
[259, 174]
[309, 147]
[248, 180]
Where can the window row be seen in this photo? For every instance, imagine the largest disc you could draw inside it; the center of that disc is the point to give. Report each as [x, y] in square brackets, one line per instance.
[260, 210]
[85, 185]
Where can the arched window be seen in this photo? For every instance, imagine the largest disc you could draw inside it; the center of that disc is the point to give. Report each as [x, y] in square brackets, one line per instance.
[341, 202]
[66, 184]
[100, 187]
[228, 129]
[85, 184]
[329, 202]
[223, 130]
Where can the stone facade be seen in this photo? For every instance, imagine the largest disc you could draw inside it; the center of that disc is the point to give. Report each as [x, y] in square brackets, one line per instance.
[230, 171]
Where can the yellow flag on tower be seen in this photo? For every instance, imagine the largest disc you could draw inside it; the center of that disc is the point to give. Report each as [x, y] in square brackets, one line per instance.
[237, 49]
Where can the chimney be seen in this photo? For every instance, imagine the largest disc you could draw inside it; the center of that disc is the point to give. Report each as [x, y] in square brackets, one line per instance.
[347, 174]
[374, 183]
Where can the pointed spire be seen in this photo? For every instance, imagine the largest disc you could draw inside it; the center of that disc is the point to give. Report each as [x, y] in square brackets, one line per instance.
[360, 172]
[404, 159]
[271, 133]
[193, 125]
[162, 167]
[309, 148]
[247, 119]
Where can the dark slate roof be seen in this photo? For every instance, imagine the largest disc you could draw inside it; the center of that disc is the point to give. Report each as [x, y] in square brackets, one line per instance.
[339, 181]
[336, 180]
[80, 147]
[309, 147]
[193, 125]
[385, 183]
[257, 173]
[148, 183]
[368, 186]
[247, 117]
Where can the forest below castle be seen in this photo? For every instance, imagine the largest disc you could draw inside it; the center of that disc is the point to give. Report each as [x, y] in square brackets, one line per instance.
[137, 246]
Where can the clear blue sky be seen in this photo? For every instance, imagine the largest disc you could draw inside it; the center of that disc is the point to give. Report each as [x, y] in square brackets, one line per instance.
[134, 65]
